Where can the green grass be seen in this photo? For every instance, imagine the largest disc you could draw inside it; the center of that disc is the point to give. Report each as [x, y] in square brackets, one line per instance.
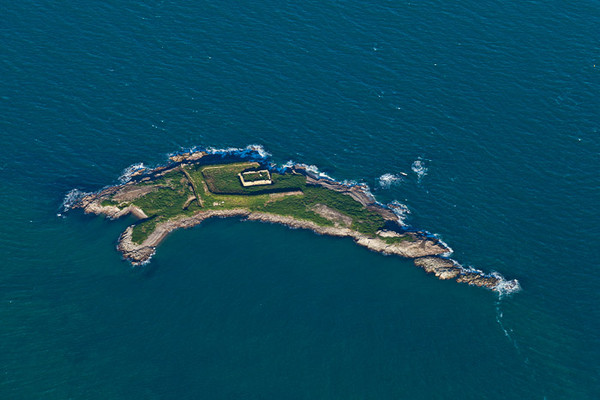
[143, 229]
[297, 207]
[363, 220]
[106, 203]
[226, 192]
[163, 204]
[225, 180]
[398, 239]
[256, 176]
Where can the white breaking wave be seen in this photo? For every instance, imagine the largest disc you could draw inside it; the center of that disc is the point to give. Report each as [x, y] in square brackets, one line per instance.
[288, 164]
[505, 287]
[419, 168]
[315, 170]
[258, 148]
[310, 168]
[450, 250]
[388, 180]
[214, 150]
[401, 210]
[129, 171]
[351, 182]
[72, 198]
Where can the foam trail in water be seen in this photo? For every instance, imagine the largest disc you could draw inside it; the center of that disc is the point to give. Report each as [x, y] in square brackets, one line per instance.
[388, 180]
[507, 332]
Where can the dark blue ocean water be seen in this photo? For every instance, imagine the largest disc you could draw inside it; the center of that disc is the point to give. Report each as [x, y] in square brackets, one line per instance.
[497, 101]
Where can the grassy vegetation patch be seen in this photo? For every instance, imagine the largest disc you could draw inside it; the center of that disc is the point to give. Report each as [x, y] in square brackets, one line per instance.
[170, 179]
[164, 201]
[297, 207]
[253, 176]
[225, 180]
[363, 220]
[398, 239]
[108, 203]
[163, 204]
[143, 229]
[220, 189]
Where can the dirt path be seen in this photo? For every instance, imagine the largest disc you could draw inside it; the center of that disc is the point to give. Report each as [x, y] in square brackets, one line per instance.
[191, 181]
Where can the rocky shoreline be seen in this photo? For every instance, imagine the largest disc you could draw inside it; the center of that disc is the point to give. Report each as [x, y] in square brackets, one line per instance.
[427, 251]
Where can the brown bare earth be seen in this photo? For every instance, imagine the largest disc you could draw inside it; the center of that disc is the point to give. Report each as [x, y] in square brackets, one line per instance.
[281, 195]
[132, 192]
[332, 215]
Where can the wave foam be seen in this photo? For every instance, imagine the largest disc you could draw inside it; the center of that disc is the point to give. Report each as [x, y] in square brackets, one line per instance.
[419, 168]
[388, 180]
[450, 250]
[505, 287]
[401, 210]
[72, 198]
[251, 152]
[258, 149]
[129, 171]
[313, 169]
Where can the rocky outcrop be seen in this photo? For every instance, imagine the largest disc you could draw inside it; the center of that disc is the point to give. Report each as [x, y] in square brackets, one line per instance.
[136, 253]
[92, 204]
[187, 157]
[440, 267]
[478, 279]
[445, 268]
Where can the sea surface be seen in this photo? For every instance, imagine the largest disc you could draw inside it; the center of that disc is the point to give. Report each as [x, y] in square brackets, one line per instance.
[490, 108]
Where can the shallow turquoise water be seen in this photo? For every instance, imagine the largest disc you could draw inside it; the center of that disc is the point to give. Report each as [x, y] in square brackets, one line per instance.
[498, 101]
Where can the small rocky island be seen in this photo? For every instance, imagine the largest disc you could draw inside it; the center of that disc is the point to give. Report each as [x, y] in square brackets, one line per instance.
[199, 184]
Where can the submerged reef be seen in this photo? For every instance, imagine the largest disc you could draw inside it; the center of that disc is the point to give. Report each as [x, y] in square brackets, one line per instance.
[202, 183]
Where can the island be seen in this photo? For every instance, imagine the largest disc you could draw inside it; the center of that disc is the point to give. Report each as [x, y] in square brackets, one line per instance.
[201, 183]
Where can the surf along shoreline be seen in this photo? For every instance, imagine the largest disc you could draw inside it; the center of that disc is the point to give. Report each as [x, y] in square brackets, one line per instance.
[427, 251]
